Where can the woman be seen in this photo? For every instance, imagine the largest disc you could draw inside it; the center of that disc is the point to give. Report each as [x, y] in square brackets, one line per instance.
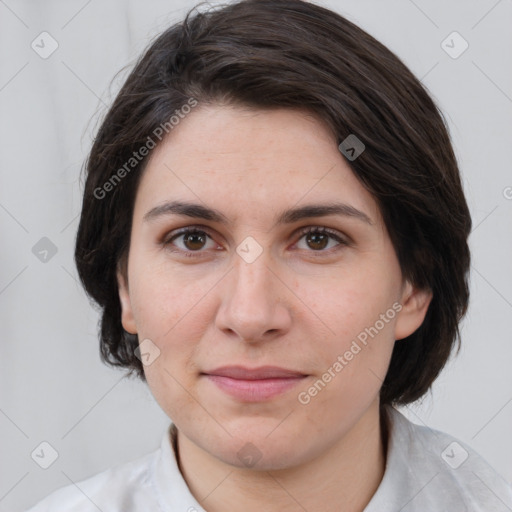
[275, 229]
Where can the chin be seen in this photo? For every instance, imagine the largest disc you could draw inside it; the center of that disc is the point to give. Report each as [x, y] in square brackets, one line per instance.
[260, 452]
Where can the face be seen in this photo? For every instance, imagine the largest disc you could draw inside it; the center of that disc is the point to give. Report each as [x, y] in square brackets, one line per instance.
[261, 281]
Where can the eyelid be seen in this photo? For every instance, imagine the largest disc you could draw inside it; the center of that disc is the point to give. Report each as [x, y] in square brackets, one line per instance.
[169, 235]
[340, 237]
[334, 233]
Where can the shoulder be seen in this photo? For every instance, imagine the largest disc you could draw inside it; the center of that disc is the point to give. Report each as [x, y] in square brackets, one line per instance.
[116, 489]
[427, 469]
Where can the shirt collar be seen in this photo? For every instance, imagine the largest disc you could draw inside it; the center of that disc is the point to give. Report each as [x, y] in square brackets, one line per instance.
[171, 489]
[173, 493]
[397, 472]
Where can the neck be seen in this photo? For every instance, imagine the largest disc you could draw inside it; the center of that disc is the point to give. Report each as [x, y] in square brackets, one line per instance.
[344, 477]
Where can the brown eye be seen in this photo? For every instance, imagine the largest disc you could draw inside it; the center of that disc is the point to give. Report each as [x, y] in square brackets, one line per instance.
[191, 241]
[195, 240]
[188, 240]
[317, 238]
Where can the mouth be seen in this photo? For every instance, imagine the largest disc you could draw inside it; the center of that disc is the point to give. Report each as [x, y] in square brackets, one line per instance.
[254, 385]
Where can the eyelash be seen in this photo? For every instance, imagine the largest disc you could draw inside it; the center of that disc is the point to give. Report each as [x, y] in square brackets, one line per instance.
[304, 231]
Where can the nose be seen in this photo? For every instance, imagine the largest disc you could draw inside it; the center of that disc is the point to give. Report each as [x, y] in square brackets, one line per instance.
[253, 304]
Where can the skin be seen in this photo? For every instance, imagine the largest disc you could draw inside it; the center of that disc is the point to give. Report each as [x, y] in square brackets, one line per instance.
[298, 305]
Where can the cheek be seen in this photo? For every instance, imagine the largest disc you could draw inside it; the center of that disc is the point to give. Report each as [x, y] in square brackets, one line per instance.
[169, 319]
[163, 297]
[359, 312]
[350, 379]
[169, 388]
[353, 303]
[170, 309]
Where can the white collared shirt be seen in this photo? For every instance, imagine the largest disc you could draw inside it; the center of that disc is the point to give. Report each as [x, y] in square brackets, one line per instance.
[426, 471]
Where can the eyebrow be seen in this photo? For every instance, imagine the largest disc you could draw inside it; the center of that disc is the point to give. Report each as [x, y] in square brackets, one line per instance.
[198, 211]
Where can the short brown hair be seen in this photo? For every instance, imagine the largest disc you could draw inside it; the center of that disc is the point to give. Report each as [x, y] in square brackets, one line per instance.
[295, 54]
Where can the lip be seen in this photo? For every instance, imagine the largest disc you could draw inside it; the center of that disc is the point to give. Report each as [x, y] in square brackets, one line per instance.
[262, 372]
[256, 384]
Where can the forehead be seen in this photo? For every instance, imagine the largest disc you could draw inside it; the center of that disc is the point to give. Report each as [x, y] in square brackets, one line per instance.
[233, 158]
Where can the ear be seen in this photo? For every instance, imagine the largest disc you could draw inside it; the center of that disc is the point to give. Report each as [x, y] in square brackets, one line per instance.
[127, 319]
[415, 303]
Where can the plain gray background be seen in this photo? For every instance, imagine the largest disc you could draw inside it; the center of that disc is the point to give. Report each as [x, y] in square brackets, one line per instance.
[53, 387]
